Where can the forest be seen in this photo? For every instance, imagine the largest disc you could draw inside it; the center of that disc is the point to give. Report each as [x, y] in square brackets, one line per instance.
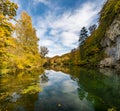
[19, 48]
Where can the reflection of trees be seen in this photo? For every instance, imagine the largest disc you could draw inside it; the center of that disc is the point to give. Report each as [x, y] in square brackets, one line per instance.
[60, 68]
[108, 72]
[81, 93]
[103, 90]
[19, 90]
[43, 78]
[101, 87]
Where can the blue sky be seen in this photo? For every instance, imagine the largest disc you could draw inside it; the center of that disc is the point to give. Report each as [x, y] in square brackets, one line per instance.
[58, 22]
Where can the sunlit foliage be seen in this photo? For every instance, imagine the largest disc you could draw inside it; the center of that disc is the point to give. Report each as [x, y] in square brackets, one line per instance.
[7, 11]
[27, 40]
[21, 51]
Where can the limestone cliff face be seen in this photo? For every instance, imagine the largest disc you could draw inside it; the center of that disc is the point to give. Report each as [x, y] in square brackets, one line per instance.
[111, 45]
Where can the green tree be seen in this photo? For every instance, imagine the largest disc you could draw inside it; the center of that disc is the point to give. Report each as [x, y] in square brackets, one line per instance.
[83, 35]
[92, 28]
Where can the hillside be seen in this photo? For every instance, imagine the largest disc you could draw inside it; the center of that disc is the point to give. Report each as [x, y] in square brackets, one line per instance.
[101, 48]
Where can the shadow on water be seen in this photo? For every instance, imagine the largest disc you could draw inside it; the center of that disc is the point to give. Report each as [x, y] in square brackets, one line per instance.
[61, 89]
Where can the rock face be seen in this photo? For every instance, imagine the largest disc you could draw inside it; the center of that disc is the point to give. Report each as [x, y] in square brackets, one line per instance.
[111, 45]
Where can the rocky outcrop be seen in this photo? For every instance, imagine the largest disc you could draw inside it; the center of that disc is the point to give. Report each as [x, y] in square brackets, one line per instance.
[111, 45]
[107, 62]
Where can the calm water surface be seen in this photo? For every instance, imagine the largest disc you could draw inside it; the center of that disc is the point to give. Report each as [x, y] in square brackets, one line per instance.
[71, 89]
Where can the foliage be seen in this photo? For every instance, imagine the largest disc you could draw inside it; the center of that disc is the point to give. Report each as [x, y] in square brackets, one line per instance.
[43, 51]
[7, 10]
[26, 34]
[20, 83]
[31, 89]
[83, 35]
[91, 52]
[27, 40]
[92, 28]
[19, 52]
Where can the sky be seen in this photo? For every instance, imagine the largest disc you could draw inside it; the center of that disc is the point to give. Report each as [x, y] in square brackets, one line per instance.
[58, 22]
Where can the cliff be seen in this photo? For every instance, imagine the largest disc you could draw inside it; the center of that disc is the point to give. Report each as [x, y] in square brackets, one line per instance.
[111, 45]
[102, 47]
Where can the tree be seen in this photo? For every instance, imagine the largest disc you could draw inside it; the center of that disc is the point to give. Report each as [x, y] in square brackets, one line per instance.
[92, 28]
[73, 50]
[7, 12]
[83, 35]
[43, 51]
[26, 34]
[8, 8]
[28, 43]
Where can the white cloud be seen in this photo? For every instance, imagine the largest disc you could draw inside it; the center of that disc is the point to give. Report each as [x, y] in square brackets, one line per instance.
[68, 38]
[69, 86]
[60, 32]
[46, 42]
[53, 32]
[45, 2]
[71, 21]
[41, 32]
[42, 1]
[63, 30]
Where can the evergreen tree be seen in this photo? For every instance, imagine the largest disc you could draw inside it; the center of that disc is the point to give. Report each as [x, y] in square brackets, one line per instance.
[83, 35]
[92, 28]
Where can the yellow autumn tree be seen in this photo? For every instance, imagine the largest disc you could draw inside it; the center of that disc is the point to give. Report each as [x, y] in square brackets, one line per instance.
[28, 43]
[7, 12]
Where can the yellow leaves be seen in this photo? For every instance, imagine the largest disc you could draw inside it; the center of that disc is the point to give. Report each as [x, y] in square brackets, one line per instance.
[21, 53]
[117, 7]
[4, 71]
[95, 50]
[21, 63]
[2, 32]
[2, 17]
[10, 42]
[111, 109]
[32, 89]
[8, 8]
[5, 30]
[20, 66]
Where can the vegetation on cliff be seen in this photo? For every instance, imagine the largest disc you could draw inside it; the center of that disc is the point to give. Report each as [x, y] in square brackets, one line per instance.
[91, 52]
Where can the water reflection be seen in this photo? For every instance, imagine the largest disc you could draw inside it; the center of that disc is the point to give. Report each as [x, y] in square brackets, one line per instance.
[18, 92]
[60, 94]
[73, 89]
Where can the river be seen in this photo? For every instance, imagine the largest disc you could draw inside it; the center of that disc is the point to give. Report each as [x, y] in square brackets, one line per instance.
[61, 89]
